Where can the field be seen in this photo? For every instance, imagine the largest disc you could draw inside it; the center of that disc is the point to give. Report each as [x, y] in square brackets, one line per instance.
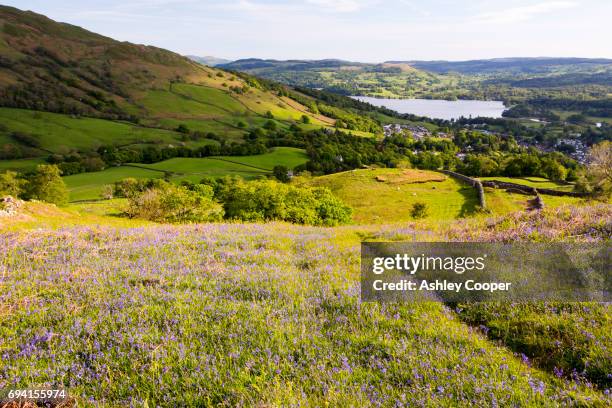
[109, 313]
[387, 195]
[62, 133]
[537, 182]
[87, 186]
[386, 201]
[20, 164]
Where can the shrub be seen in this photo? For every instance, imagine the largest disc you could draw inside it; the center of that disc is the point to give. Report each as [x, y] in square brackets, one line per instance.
[10, 184]
[46, 184]
[305, 119]
[270, 125]
[266, 200]
[281, 173]
[419, 210]
[107, 192]
[167, 202]
[182, 128]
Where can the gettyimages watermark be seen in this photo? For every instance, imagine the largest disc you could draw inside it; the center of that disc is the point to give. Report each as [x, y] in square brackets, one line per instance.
[479, 272]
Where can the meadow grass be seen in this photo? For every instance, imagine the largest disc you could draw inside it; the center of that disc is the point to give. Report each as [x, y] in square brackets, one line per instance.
[62, 133]
[88, 186]
[208, 95]
[386, 201]
[217, 165]
[20, 164]
[537, 182]
[240, 315]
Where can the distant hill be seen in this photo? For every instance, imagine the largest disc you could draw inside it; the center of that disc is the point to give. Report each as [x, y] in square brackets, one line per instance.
[515, 65]
[209, 60]
[477, 79]
[339, 76]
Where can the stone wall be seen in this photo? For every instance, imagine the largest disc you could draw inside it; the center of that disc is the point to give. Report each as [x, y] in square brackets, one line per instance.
[530, 190]
[473, 182]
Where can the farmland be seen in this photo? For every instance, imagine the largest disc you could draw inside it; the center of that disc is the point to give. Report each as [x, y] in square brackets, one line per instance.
[386, 195]
[87, 186]
[60, 133]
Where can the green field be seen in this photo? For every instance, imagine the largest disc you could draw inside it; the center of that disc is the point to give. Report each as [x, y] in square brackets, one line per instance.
[537, 182]
[87, 186]
[382, 202]
[386, 202]
[62, 133]
[21, 164]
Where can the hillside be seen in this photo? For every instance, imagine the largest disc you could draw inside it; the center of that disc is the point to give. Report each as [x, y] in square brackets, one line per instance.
[514, 65]
[68, 96]
[502, 78]
[58, 67]
[277, 304]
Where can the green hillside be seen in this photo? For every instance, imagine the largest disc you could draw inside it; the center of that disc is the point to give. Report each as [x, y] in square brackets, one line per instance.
[382, 196]
[68, 95]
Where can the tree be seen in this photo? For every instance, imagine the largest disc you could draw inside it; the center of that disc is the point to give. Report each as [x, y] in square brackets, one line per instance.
[46, 184]
[10, 184]
[166, 202]
[270, 125]
[419, 210]
[281, 173]
[182, 128]
[305, 119]
[600, 166]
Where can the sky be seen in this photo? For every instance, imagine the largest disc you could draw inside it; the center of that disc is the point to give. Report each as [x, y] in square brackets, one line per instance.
[355, 30]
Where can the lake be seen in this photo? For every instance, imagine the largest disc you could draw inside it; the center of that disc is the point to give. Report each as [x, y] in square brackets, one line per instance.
[439, 109]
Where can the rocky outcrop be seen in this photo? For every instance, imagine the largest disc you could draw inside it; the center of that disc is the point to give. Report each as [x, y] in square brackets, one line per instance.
[9, 206]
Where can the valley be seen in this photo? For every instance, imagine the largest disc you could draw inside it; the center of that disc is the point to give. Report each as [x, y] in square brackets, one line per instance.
[187, 231]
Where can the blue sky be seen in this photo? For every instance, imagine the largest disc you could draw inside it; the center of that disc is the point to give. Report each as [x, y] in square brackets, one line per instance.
[358, 30]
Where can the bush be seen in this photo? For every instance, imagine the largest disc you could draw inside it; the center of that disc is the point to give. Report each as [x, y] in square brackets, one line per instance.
[46, 184]
[281, 173]
[167, 202]
[419, 210]
[10, 184]
[266, 200]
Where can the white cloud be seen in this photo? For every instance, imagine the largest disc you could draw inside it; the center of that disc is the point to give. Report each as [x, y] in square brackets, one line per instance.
[523, 13]
[340, 6]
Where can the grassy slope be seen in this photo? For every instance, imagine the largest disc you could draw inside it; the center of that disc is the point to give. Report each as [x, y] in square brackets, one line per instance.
[67, 66]
[20, 164]
[537, 182]
[385, 202]
[61, 133]
[382, 202]
[278, 322]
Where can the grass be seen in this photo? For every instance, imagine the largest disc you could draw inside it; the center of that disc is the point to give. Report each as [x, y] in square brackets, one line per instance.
[20, 164]
[537, 182]
[110, 314]
[388, 201]
[62, 133]
[88, 186]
